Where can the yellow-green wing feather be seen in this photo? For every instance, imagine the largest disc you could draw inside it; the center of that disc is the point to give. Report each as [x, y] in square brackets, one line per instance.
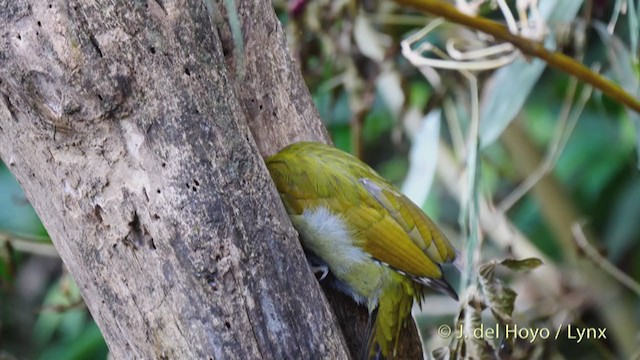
[422, 231]
[392, 229]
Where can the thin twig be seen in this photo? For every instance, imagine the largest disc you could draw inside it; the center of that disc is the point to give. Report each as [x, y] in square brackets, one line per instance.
[61, 308]
[454, 126]
[601, 261]
[399, 19]
[566, 124]
[496, 224]
[469, 205]
[532, 48]
[508, 16]
[29, 244]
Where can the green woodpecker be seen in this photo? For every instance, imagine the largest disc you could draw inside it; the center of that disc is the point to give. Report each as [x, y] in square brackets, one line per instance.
[382, 249]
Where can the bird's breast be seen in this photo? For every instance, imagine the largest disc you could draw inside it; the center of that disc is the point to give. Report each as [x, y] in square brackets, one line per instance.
[329, 236]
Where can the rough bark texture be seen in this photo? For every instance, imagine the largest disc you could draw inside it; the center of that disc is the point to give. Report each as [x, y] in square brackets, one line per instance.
[280, 111]
[128, 132]
[119, 120]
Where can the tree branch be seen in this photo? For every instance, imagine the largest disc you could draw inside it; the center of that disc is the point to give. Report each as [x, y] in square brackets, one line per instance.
[282, 113]
[528, 47]
[28, 244]
[122, 124]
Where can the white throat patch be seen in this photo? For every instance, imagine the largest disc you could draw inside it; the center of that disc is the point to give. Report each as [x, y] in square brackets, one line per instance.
[328, 236]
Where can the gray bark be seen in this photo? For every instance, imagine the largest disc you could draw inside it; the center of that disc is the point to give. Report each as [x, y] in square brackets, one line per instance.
[120, 121]
[136, 136]
[279, 111]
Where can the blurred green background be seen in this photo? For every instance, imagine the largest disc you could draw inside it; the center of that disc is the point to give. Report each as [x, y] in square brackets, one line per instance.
[594, 180]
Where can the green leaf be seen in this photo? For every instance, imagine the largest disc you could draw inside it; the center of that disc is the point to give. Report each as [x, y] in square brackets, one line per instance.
[423, 159]
[522, 265]
[89, 344]
[419, 94]
[66, 322]
[622, 69]
[16, 214]
[511, 85]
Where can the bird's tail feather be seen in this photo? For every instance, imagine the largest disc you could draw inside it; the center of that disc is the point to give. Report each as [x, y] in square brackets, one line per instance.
[371, 349]
[387, 320]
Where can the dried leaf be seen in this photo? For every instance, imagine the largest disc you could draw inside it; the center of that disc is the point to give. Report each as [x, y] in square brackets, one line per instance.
[498, 296]
[441, 353]
[479, 348]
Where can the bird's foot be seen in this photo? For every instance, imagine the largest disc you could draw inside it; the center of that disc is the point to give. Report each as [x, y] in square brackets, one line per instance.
[322, 270]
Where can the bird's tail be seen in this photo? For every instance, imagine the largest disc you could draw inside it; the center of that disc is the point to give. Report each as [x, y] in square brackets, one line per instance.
[371, 349]
[387, 320]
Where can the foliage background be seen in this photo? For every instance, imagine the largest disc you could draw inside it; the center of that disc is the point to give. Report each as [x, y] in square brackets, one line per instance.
[374, 103]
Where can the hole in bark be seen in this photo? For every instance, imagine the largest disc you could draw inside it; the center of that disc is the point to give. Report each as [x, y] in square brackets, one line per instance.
[152, 244]
[158, 191]
[186, 71]
[99, 97]
[19, 37]
[164, 165]
[227, 325]
[152, 50]
[156, 217]
[196, 182]
[97, 210]
[260, 106]
[94, 43]
[39, 24]
[135, 223]
[194, 189]
[50, 6]
[210, 278]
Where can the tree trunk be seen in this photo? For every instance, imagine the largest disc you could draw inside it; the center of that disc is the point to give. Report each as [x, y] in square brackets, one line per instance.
[131, 135]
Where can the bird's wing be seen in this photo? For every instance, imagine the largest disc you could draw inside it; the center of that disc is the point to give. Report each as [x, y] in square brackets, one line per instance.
[385, 240]
[394, 231]
[422, 231]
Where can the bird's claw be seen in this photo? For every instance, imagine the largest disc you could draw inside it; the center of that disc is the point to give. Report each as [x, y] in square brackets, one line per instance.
[320, 269]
